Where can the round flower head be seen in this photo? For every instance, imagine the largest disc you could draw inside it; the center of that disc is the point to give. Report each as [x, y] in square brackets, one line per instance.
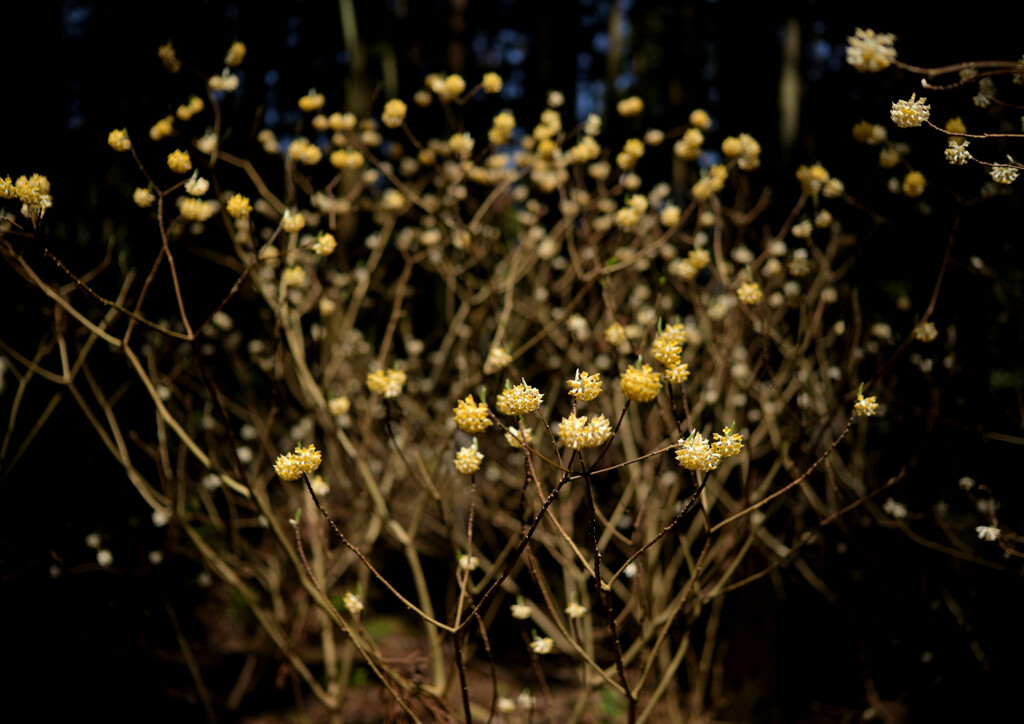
[750, 293]
[492, 83]
[1003, 174]
[677, 375]
[197, 185]
[293, 222]
[541, 646]
[311, 102]
[294, 464]
[521, 611]
[585, 387]
[386, 383]
[352, 602]
[667, 350]
[615, 334]
[472, 417]
[235, 54]
[580, 432]
[695, 453]
[518, 438]
[293, 276]
[519, 400]
[913, 184]
[394, 113]
[339, 405]
[143, 197]
[727, 443]
[179, 161]
[239, 207]
[912, 113]
[118, 140]
[866, 406]
[468, 459]
[640, 385]
[870, 52]
[575, 610]
[497, 358]
[325, 244]
[925, 332]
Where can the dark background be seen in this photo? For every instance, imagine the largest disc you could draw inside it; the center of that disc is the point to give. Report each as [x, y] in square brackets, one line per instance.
[95, 641]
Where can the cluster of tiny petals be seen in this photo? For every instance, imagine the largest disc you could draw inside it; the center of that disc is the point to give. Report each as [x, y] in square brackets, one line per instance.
[472, 417]
[912, 113]
[239, 207]
[727, 443]
[293, 222]
[866, 406]
[586, 386]
[750, 293]
[497, 358]
[386, 383]
[1003, 174]
[311, 102]
[519, 400]
[925, 332]
[667, 350]
[581, 432]
[394, 113]
[325, 244]
[641, 385]
[118, 140]
[179, 161]
[868, 51]
[957, 153]
[678, 374]
[516, 438]
[302, 460]
[695, 453]
[468, 459]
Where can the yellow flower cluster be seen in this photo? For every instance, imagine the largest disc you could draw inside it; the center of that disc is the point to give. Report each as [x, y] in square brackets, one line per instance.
[239, 206]
[162, 128]
[866, 406]
[33, 191]
[910, 114]
[585, 387]
[519, 400]
[294, 464]
[632, 151]
[325, 244]
[386, 383]
[745, 149]
[580, 432]
[689, 146]
[497, 358]
[667, 350]
[394, 113]
[640, 385]
[517, 438]
[468, 459]
[695, 453]
[293, 276]
[870, 52]
[305, 152]
[925, 332]
[179, 161]
[750, 293]
[913, 184]
[629, 107]
[197, 185]
[118, 140]
[293, 222]
[727, 443]
[710, 183]
[311, 102]
[186, 111]
[339, 405]
[195, 209]
[143, 197]
[678, 374]
[235, 54]
[492, 83]
[344, 158]
[471, 416]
